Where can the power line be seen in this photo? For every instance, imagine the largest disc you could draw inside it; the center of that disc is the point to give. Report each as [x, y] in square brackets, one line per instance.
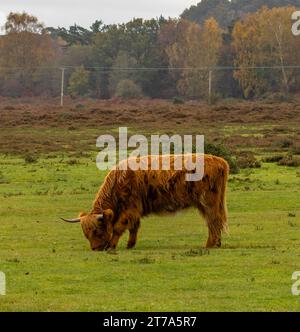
[109, 69]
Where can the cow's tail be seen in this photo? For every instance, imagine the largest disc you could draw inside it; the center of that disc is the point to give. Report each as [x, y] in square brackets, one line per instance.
[223, 180]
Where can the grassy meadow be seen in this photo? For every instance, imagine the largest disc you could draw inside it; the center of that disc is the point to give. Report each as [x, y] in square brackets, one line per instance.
[49, 265]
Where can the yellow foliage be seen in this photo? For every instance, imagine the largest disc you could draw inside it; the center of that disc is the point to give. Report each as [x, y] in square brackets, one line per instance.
[264, 39]
[194, 51]
[25, 46]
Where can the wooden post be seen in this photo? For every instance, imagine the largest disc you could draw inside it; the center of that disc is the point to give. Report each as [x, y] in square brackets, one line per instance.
[62, 87]
[209, 86]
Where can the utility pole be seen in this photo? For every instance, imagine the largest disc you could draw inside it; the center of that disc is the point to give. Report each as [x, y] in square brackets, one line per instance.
[209, 86]
[62, 87]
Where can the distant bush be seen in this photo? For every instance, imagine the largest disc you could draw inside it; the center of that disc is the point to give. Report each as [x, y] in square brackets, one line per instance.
[290, 160]
[246, 159]
[214, 98]
[79, 82]
[220, 150]
[285, 143]
[30, 159]
[128, 89]
[9, 108]
[80, 106]
[3, 180]
[65, 116]
[278, 97]
[72, 162]
[273, 159]
[178, 101]
[296, 150]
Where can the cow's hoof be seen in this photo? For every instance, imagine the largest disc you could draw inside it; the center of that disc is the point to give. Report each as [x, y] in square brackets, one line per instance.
[130, 246]
[213, 245]
[112, 251]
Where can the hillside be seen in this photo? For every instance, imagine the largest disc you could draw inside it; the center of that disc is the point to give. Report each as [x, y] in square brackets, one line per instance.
[225, 12]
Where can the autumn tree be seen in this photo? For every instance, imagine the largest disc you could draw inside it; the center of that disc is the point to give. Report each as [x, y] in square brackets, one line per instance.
[123, 68]
[263, 40]
[128, 89]
[193, 54]
[79, 82]
[23, 49]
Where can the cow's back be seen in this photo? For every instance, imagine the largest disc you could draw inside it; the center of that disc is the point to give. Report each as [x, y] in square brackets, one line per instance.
[157, 191]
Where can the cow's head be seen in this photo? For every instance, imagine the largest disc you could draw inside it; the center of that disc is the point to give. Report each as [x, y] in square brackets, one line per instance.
[97, 228]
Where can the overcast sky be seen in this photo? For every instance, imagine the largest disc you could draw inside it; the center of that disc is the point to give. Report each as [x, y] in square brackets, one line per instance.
[84, 12]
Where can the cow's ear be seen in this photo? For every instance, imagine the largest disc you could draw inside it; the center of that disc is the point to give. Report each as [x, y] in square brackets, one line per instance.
[82, 214]
[108, 215]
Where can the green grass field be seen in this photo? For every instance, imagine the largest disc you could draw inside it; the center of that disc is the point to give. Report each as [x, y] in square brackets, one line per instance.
[49, 266]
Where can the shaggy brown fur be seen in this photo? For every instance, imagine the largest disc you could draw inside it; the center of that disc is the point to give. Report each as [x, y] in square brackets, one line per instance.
[126, 196]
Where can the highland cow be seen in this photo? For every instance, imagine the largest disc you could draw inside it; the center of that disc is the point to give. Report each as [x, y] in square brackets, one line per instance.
[126, 196]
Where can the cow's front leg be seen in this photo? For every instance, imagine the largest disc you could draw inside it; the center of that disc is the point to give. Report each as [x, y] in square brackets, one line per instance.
[119, 228]
[133, 231]
[114, 241]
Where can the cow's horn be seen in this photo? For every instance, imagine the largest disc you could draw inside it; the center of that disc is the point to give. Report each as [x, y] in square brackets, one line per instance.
[71, 220]
[100, 217]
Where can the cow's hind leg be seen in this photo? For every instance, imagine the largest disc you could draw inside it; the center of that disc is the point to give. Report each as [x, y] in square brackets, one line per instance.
[213, 205]
[216, 220]
[214, 236]
[133, 231]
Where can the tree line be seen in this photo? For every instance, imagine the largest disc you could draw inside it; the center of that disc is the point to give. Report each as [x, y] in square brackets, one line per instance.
[156, 58]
